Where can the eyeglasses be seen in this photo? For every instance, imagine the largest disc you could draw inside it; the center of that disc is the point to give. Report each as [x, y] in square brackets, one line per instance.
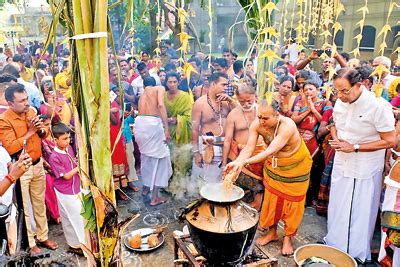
[344, 91]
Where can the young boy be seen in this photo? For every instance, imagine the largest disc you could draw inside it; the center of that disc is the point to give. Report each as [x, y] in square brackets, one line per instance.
[67, 188]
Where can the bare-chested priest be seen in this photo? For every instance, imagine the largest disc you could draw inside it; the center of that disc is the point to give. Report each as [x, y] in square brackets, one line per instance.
[286, 172]
[236, 135]
[152, 136]
[208, 129]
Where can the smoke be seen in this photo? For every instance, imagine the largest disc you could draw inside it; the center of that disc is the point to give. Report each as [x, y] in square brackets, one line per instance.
[183, 185]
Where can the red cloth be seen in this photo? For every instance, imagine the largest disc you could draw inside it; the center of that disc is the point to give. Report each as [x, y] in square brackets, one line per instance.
[291, 69]
[119, 155]
[50, 195]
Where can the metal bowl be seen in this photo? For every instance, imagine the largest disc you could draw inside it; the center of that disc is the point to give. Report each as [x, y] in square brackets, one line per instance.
[144, 247]
[216, 192]
[333, 255]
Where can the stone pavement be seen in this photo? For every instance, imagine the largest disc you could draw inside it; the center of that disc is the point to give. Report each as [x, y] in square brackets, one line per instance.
[312, 229]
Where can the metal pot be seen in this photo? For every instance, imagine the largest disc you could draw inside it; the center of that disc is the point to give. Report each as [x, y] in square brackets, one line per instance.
[222, 232]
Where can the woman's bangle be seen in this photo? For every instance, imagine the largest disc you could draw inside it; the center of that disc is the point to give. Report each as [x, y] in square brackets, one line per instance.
[10, 178]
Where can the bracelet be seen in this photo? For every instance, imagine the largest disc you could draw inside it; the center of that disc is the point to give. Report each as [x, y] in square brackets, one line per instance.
[10, 178]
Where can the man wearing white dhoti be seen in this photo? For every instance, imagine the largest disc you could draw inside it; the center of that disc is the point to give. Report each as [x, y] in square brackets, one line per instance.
[363, 129]
[152, 135]
[208, 129]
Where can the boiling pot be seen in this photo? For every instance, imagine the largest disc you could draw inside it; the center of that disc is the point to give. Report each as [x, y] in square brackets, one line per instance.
[221, 227]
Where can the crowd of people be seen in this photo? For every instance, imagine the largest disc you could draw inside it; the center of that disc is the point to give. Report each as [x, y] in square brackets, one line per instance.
[308, 146]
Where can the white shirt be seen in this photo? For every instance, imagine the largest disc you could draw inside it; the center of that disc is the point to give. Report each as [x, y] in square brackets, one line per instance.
[34, 96]
[137, 84]
[360, 123]
[293, 53]
[5, 159]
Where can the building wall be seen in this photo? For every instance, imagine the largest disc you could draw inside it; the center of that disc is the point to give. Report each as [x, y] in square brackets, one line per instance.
[225, 13]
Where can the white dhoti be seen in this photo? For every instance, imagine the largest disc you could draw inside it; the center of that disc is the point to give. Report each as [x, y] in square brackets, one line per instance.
[353, 207]
[156, 167]
[391, 202]
[129, 148]
[209, 173]
[70, 207]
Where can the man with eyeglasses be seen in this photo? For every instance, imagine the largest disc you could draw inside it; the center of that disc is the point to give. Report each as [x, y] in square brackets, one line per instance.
[286, 172]
[363, 129]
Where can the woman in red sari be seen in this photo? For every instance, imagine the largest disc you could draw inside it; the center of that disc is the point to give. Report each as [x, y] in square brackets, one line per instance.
[308, 115]
[118, 157]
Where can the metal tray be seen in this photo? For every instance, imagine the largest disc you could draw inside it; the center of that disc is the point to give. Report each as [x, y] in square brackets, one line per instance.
[144, 247]
[216, 192]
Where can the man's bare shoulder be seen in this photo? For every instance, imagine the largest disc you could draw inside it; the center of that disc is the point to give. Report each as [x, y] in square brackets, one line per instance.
[159, 88]
[289, 124]
[200, 102]
[234, 114]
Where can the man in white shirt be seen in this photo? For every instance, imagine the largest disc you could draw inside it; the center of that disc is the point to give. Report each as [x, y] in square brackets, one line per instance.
[292, 51]
[137, 83]
[363, 130]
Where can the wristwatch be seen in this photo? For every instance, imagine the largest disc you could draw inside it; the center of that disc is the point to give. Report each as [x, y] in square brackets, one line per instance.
[356, 148]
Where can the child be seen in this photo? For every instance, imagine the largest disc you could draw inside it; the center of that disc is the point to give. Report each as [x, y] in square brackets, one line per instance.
[67, 188]
[389, 254]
